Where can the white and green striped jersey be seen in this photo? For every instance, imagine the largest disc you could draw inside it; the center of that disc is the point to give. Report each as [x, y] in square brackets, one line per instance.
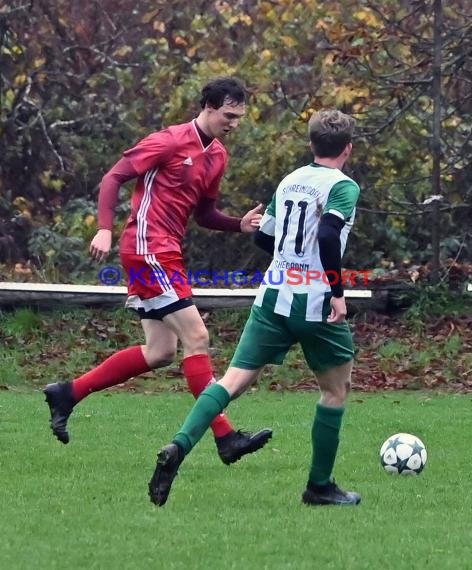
[292, 217]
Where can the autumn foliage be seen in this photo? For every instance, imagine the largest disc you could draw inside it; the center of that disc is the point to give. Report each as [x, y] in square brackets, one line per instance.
[81, 81]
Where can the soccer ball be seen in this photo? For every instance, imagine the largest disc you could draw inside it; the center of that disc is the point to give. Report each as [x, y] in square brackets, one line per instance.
[404, 454]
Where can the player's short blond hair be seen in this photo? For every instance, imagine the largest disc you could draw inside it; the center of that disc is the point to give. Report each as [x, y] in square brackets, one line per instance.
[330, 131]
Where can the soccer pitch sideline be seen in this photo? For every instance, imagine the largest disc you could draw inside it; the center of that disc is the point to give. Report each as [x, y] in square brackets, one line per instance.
[85, 505]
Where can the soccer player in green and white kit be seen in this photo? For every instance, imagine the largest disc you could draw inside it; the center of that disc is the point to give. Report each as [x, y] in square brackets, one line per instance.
[305, 227]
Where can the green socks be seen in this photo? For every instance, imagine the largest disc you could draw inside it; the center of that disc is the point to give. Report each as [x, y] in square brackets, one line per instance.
[325, 432]
[325, 440]
[211, 402]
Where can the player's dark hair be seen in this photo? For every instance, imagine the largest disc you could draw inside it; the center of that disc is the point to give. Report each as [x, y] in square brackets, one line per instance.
[219, 90]
[330, 131]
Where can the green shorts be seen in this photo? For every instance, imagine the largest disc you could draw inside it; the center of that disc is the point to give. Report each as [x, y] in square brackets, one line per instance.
[267, 337]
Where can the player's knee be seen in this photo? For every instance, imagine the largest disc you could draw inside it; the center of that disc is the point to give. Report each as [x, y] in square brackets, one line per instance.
[196, 341]
[335, 395]
[159, 359]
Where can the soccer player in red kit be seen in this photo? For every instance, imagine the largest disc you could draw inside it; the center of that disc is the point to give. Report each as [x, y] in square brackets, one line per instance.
[178, 172]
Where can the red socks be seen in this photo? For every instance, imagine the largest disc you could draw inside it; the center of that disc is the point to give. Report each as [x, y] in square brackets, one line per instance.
[199, 373]
[116, 369]
[130, 362]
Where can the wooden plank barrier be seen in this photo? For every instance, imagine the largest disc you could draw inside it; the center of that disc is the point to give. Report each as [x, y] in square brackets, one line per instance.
[52, 295]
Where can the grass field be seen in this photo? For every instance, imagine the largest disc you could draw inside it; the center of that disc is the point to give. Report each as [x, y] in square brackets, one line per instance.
[85, 505]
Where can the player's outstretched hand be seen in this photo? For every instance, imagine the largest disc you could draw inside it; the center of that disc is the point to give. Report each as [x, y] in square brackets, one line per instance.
[101, 245]
[338, 310]
[250, 221]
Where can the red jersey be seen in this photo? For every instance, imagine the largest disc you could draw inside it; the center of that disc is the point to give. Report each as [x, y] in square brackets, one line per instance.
[175, 171]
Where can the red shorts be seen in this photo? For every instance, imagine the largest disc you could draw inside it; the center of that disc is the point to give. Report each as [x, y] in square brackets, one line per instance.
[155, 280]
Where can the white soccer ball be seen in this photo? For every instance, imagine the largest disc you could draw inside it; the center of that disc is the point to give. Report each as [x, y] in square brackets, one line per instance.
[403, 454]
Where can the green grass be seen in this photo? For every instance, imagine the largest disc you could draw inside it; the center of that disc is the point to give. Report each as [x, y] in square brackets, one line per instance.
[85, 505]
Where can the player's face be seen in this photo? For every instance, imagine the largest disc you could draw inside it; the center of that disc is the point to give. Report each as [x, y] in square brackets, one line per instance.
[223, 120]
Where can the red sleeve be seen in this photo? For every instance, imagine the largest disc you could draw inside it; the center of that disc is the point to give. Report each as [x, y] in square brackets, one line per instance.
[154, 150]
[213, 190]
[120, 173]
[207, 216]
